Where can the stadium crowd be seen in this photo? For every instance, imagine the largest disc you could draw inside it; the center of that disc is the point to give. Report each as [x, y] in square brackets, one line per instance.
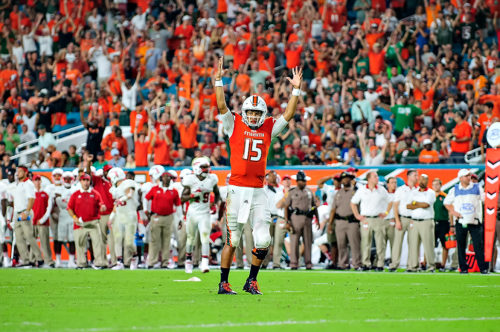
[384, 81]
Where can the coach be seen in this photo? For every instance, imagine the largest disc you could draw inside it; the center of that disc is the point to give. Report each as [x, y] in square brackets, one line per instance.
[24, 198]
[464, 204]
[85, 206]
[164, 203]
[373, 201]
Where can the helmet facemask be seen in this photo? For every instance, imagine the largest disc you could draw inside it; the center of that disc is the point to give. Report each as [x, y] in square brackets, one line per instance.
[253, 118]
[67, 182]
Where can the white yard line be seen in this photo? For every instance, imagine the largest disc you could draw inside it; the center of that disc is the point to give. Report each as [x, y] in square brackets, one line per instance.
[287, 322]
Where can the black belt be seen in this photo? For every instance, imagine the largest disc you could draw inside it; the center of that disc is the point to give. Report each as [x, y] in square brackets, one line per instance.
[442, 221]
[421, 219]
[349, 218]
[275, 216]
[300, 212]
[405, 216]
[372, 217]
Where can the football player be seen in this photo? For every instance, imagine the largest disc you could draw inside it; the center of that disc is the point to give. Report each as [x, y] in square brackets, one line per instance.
[250, 136]
[123, 220]
[54, 189]
[65, 224]
[197, 189]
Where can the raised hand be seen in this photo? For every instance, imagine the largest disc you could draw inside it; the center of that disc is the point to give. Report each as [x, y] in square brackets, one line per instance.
[296, 80]
[220, 69]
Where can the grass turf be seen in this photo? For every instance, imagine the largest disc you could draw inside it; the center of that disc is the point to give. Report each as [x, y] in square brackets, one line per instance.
[88, 300]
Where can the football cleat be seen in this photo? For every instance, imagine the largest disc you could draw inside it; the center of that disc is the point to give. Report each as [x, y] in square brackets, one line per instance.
[133, 264]
[252, 287]
[225, 288]
[171, 264]
[189, 267]
[204, 268]
[6, 262]
[118, 266]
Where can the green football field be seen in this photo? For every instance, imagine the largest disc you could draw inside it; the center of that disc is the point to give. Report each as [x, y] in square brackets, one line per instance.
[88, 300]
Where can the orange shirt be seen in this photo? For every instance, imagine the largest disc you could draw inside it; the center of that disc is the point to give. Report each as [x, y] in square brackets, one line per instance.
[74, 75]
[182, 55]
[241, 55]
[185, 86]
[432, 14]
[141, 117]
[221, 6]
[428, 157]
[461, 131]
[293, 57]
[377, 62]
[141, 153]
[243, 82]
[484, 122]
[495, 99]
[462, 83]
[162, 153]
[371, 38]
[188, 135]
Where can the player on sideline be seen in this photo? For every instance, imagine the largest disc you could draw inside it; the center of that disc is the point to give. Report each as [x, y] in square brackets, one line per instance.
[250, 137]
[197, 189]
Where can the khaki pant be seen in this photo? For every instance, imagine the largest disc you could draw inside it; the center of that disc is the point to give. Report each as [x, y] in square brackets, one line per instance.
[278, 233]
[348, 232]
[390, 232]
[107, 238]
[89, 228]
[373, 227]
[423, 231]
[161, 232]
[43, 232]
[124, 235]
[248, 239]
[25, 236]
[302, 227]
[398, 241]
[181, 241]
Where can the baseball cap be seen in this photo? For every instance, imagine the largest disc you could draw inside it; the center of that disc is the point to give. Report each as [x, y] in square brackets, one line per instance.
[107, 168]
[36, 177]
[301, 176]
[463, 172]
[186, 17]
[426, 141]
[287, 177]
[85, 176]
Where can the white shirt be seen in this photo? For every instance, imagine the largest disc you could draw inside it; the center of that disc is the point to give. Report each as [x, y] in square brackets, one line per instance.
[45, 43]
[46, 140]
[29, 43]
[139, 21]
[330, 192]
[427, 196]
[374, 161]
[129, 96]
[371, 202]
[404, 196]
[22, 192]
[273, 197]
[390, 198]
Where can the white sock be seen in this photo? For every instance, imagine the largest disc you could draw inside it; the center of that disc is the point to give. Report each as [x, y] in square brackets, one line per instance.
[72, 258]
[58, 257]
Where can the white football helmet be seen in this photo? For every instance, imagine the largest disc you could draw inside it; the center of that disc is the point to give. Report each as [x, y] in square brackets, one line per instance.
[201, 166]
[116, 174]
[156, 172]
[254, 103]
[57, 171]
[67, 179]
[173, 174]
[185, 172]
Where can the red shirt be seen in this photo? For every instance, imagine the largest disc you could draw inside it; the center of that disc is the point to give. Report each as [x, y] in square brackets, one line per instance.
[85, 205]
[163, 200]
[249, 149]
[40, 207]
[102, 186]
[162, 153]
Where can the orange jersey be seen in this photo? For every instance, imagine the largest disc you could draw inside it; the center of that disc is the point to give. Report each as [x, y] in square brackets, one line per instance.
[249, 150]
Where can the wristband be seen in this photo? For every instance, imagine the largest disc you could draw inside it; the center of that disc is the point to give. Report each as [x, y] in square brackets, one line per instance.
[386, 213]
[296, 92]
[413, 203]
[219, 83]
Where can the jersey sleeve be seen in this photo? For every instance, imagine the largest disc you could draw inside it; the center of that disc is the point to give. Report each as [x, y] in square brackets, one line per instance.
[278, 126]
[228, 123]
[214, 179]
[187, 181]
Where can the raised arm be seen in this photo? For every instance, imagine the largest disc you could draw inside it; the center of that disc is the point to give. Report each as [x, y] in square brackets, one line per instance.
[219, 88]
[295, 81]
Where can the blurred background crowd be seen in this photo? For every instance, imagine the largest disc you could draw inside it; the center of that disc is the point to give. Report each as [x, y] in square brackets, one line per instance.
[385, 81]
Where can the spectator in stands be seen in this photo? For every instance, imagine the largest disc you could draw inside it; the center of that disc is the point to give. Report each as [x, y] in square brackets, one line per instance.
[11, 139]
[182, 159]
[188, 129]
[45, 139]
[100, 161]
[289, 158]
[26, 135]
[116, 159]
[114, 140]
[217, 159]
[460, 138]
[428, 155]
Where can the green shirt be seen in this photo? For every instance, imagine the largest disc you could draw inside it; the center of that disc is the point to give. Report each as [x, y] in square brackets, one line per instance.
[404, 116]
[9, 144]
[293, 160]
[363, 63]
[440, 212]
[99, 165]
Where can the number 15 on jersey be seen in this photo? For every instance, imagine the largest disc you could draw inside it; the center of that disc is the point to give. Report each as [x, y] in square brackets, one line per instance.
[253, 149]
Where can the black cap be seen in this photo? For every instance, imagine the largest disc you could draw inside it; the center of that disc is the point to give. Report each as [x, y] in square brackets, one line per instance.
[346, 174]
[301, 176]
